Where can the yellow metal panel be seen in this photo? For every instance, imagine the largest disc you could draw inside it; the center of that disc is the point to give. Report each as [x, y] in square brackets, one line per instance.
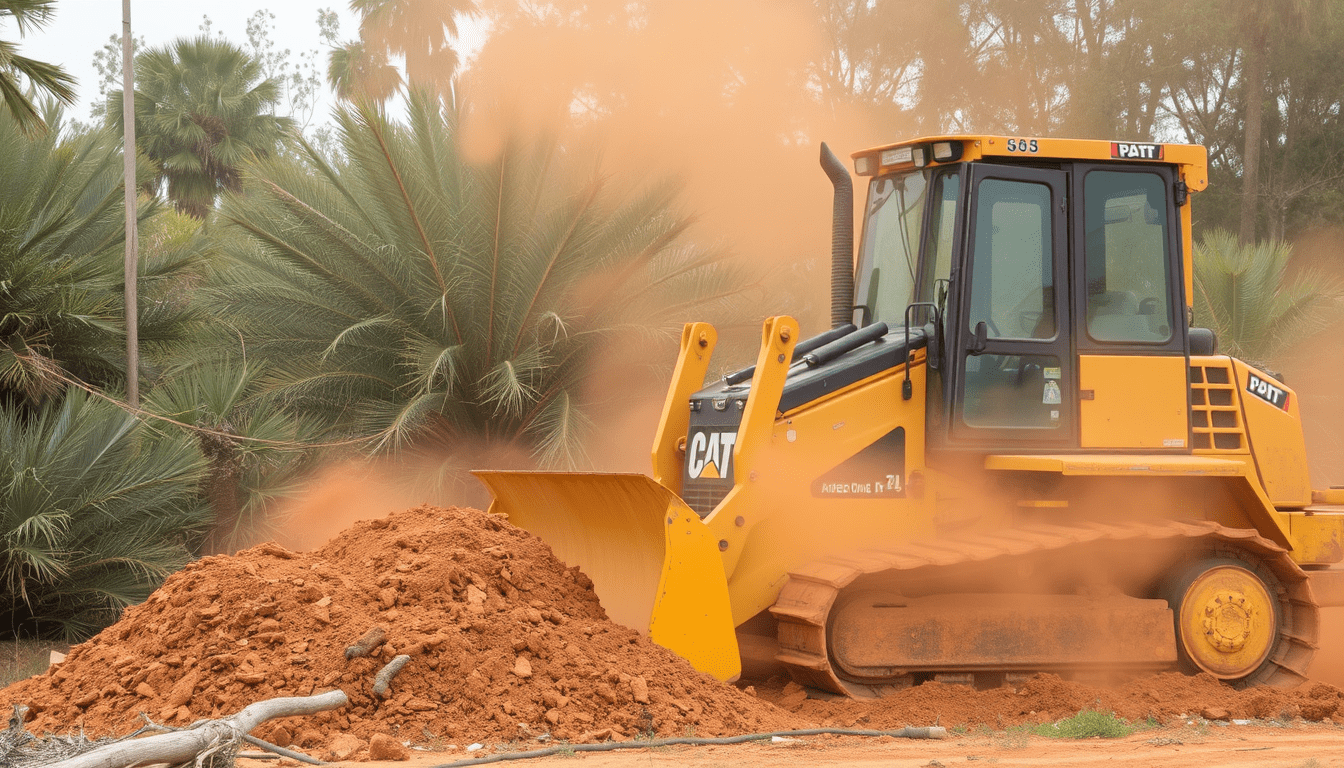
[1136, 402]
[1318, 534]
[1111, 464]
[692, 614]
[773, 523]
[697, 346]
[1275, 431]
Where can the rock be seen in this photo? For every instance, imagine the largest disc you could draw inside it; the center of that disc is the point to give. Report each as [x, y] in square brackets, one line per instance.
[250, 678]
[281, 736]
[553, 716]
[145, 690]
[640, 688]
[85, 700]
[522, 668]
[1215, 713]
[343, 746]
[384, 747]
[310, 737]
[182, 690]
[420, 705]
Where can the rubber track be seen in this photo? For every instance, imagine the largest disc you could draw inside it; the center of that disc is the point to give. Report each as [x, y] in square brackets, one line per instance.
[807, 597]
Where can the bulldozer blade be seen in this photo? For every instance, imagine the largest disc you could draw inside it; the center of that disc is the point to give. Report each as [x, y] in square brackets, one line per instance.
[654, 565]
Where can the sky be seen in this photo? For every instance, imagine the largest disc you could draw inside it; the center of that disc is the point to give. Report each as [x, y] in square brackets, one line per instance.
[81, 27]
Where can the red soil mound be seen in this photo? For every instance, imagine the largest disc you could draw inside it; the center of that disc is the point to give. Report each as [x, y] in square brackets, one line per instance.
[505, 642]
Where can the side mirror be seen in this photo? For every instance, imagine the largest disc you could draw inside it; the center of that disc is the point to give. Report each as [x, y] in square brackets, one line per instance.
[979, 340]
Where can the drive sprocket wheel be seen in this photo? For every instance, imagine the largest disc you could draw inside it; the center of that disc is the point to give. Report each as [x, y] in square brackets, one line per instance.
[1229, 620]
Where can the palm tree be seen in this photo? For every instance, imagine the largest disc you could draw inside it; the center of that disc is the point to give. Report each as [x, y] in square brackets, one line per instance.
[95, 511]
[419, 298]
[416, 29]
[61, 264]
[1256, 308]
[202, 108]
[246, 442]
[357, 70]
[47, 78]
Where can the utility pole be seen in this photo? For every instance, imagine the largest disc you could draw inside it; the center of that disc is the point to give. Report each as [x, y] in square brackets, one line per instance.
[132, 230]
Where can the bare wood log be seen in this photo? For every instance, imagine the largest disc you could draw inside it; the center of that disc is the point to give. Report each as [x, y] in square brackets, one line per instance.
[366, 644]
[182, 746]
[382, 682]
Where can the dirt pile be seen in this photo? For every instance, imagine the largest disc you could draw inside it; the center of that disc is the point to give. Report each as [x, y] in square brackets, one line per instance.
[505, 643]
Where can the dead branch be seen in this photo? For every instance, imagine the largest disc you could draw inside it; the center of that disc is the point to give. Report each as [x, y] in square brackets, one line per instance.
[208, 735]
[366, 644]
[382, 683]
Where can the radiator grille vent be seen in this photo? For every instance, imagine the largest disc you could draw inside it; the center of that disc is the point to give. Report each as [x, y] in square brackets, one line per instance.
[1215, 415]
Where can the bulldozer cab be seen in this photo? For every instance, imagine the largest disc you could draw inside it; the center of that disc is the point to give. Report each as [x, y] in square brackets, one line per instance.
[1051, 277]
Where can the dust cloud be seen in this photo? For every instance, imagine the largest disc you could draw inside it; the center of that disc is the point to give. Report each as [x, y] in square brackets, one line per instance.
[1314, 369]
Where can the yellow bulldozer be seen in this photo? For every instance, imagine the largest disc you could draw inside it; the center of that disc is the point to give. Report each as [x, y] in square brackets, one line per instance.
[1013, 452]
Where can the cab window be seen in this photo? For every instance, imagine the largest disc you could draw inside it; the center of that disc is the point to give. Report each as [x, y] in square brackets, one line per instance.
[1125, 257]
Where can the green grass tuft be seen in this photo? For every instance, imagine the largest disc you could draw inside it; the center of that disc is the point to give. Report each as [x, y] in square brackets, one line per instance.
[1087, 724]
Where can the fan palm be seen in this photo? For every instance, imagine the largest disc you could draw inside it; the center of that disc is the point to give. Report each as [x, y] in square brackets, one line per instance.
[357, 70]
[61, 263]
[95, 511]
[416, 29]
[202, 108]
[416, 296]
[1246, 295]
[46, 78]
[238, 435]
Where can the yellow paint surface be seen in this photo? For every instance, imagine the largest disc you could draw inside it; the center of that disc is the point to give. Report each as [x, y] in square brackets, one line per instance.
[1138, 402]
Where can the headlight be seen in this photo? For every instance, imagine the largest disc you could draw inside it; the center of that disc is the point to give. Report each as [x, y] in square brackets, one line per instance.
[947, 151]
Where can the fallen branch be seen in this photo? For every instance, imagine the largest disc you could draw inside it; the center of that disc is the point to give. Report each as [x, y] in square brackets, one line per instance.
[366, 644]
[207, 736]
[382, 683]
[280, 751]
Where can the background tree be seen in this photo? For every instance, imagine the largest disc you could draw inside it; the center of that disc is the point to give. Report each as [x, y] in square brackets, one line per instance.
[419, 298]
[356, 70]
[95, 511]
[1251, 300]
[44, 78]
[421, 31]
[254, 447]
[61, 265]
[202, 108]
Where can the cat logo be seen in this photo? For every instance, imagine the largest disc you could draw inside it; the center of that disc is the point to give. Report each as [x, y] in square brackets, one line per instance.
[709, 455]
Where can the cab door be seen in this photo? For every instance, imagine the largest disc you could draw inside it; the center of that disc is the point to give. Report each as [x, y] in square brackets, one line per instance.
[1014, 379]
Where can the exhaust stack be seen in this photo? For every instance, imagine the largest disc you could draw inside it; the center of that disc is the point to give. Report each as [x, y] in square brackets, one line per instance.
[842, 238]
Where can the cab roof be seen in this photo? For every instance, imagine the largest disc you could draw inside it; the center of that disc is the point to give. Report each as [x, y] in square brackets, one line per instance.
[1191, 160]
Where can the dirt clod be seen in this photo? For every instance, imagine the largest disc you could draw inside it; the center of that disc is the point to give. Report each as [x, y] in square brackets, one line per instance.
[384, 747]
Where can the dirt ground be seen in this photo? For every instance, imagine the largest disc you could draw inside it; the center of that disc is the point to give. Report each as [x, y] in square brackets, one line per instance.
[1301, 745]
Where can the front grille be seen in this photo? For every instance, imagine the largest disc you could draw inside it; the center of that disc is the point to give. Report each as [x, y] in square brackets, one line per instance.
[1215, 415]
[704, 497]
